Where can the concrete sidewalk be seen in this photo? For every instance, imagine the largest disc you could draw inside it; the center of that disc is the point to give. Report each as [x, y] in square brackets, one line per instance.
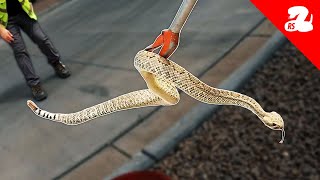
[98, 41]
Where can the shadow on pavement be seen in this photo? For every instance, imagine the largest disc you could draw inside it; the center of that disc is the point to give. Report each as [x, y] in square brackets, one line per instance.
[20, 91]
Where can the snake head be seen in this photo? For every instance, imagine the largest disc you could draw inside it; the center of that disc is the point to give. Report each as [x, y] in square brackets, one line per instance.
[274, 121]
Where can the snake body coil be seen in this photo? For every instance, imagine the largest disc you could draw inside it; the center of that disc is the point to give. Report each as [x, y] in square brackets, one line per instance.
[163, 77]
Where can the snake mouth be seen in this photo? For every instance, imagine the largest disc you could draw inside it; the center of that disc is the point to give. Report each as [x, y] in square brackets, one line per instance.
[277, 128]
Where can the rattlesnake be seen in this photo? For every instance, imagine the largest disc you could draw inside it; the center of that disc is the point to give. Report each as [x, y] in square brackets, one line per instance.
[163, 77]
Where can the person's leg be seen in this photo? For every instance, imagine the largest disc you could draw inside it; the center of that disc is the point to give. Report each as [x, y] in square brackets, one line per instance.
[33, 29]
[21, 54]
[38, 36]
[24, 62]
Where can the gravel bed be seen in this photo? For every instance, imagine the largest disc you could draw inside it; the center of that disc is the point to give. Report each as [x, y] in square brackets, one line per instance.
[234, 144]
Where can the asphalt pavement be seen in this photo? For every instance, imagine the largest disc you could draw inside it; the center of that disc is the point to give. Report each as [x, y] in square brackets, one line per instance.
[98, 40]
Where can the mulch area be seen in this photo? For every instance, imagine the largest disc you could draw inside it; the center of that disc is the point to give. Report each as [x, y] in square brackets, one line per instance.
[234, 143]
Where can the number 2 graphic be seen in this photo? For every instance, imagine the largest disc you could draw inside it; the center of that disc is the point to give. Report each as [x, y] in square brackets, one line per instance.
[299, 24]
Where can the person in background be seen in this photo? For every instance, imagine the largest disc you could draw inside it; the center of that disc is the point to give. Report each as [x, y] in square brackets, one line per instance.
[17, 15]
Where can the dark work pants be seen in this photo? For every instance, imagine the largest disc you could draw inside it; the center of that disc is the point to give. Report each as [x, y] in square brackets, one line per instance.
[32, 28]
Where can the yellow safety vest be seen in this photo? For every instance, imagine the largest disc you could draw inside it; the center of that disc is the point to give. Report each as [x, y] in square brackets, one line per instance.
[26, 6]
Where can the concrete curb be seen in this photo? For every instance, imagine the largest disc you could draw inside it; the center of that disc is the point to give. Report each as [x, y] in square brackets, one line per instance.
[157, 149]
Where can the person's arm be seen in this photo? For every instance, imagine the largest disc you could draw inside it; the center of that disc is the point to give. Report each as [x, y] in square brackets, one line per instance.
[5, 34]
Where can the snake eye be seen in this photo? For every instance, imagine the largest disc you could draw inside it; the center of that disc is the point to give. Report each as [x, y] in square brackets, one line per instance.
[275, 126]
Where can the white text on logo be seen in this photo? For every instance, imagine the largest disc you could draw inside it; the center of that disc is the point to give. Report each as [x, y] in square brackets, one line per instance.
[299, 24]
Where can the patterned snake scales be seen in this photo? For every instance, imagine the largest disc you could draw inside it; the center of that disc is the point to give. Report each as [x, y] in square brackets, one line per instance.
[163, 77]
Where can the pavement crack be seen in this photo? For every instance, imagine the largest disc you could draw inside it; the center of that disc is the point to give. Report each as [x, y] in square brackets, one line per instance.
[123, 152]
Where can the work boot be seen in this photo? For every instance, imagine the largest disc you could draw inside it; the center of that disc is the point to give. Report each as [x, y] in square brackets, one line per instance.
[61, 70]
[38, 93]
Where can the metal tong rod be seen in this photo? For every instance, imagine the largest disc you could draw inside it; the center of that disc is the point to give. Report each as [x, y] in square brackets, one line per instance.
[182, 15]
